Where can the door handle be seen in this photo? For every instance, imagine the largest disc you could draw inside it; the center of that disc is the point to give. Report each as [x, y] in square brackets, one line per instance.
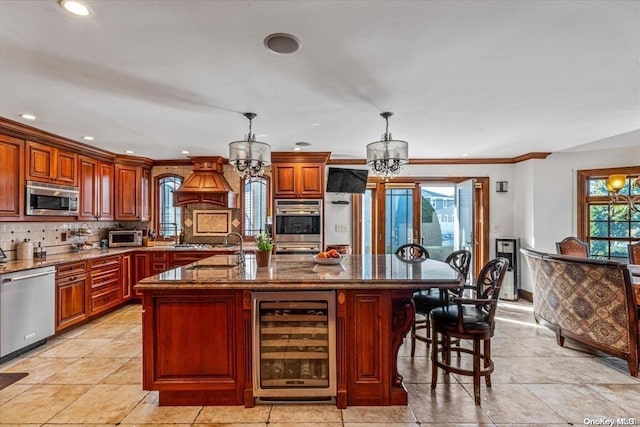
[28, 276]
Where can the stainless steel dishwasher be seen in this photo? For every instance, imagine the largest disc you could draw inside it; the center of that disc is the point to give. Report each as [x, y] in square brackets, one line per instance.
[27, 310]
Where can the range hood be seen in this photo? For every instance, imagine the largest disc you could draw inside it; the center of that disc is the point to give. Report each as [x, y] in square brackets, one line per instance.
[206, 184]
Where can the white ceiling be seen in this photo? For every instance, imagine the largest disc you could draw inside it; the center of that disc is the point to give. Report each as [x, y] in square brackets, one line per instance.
[488, 78]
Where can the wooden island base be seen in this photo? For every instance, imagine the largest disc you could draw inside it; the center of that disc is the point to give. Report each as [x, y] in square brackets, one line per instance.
[197, 328]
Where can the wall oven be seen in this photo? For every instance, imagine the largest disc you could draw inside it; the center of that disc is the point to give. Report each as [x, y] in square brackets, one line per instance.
[298, 226]
[51, 199]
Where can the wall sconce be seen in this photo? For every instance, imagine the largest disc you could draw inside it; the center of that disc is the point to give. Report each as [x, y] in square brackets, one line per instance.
[502, 186]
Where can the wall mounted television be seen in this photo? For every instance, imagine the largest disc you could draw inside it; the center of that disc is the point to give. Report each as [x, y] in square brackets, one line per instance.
[342, 180]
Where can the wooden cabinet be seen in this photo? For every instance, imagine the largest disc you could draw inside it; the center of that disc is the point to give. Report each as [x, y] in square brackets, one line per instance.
[133, 187]
[178, 259]
[96, 182]
[71, 286]
[11, 176]
[105, 286]
[125, 277]
[297, 176]
[159, 262]
[141, 270]
[50, 164]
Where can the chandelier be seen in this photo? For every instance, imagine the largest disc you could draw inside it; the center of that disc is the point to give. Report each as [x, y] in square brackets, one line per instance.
[615, 183]
[249, 157]
[386, 157]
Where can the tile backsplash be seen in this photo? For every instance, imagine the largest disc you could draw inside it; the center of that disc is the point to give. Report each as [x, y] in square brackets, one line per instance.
[49, 234]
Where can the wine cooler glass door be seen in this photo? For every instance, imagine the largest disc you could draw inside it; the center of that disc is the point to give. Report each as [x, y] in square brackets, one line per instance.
[294, 344]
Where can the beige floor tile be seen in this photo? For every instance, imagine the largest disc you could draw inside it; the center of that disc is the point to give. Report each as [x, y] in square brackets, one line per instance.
[379, 425]
[378, 414]
[148, 412]
[104, 403]
[575, 402]
[307, 424]
[128, 317]
[234, 414]
[40, 368]
[134, 333]
[305, 413]
[624, 395]
[87, 370]
[129, 373]
[76, 347]
[231, 424]
[514, 403]
[15, 389]
[40, 404]
[118, 348]
[108, 330]
[435, 406]
[78, 425]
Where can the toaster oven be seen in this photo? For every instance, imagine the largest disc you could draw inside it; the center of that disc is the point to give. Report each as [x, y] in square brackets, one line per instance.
[120, 238]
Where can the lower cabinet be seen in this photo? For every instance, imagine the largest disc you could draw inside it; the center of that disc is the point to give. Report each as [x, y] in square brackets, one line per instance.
[71, 292]
[126, 277]
[105, 287]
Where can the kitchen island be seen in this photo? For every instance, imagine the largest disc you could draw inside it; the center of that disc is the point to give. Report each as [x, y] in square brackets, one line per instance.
[197, 324]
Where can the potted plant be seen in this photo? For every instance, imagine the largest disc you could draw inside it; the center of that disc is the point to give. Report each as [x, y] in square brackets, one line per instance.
[265, 246]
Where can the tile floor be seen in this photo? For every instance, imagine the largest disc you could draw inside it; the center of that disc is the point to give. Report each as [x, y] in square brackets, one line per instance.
[91, 377]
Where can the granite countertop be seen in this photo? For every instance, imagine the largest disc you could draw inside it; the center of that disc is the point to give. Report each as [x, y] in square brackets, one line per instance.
[27, 264]
[301, 272]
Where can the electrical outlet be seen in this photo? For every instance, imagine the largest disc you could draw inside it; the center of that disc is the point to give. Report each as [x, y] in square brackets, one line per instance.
[63, 237]
[341, 228]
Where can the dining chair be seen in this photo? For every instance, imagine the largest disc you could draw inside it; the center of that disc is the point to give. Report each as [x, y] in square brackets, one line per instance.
[572, 246]
[469, 319]
[426, 300]
[634, 253]
[412, 252]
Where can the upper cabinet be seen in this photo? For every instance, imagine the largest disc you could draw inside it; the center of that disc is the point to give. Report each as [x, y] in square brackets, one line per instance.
[50, 164]
[298, 176]
[11, 176]
[96, 189]
[133, 184]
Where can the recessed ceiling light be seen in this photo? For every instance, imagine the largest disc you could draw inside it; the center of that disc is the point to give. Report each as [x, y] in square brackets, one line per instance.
[297, 148]
[262, 135]
[465, 154]
[129, 151]
[315, 124]
[282, 43]
[75, 7]
[185, 151]
[303, 144]
[87, 138]
[28, 116]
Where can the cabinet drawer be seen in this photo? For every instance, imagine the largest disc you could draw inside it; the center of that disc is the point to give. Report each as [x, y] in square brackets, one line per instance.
[106, 262]
[159, 267]
[104, 299]
[107, 278]
[190, 256]
[159, 256]
[67, 280]
[71, 268]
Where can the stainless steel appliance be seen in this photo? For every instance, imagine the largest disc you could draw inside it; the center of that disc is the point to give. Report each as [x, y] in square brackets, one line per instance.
[119, 238]
[298, 226]
[51, 199]
[27, 310]
[509, 248]
[294, 342]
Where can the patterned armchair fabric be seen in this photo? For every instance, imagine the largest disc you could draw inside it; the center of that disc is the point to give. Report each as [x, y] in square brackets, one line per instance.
[590, 301]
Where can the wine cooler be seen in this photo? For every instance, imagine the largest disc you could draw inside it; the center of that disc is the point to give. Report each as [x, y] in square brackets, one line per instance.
[294, 345]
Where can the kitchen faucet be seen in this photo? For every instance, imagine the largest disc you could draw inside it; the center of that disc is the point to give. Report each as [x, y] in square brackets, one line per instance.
[240, 261]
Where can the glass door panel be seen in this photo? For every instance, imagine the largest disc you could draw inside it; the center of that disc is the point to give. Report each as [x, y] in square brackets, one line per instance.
[398, 218]
[438, 219]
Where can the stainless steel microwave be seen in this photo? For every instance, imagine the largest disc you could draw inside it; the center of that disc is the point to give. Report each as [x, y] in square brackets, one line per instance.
[51, 199]
[118, 238]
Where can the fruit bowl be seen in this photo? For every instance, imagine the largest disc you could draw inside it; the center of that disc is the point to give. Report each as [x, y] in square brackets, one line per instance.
[328, 261]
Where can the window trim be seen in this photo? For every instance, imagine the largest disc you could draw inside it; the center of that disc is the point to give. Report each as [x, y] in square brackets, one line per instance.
[156, 202]
[583, 177]
[267, 178]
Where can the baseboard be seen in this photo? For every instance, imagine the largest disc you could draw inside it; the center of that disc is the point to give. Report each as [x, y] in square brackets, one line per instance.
[525, 295]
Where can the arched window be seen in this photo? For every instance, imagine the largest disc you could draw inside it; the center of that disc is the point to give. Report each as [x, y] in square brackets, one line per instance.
[256, 204]
[169, 222]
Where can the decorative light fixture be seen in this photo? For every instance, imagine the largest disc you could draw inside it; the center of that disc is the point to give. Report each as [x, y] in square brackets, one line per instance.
[386, 157]
[615, 183]
[249, 157]
[75, 7]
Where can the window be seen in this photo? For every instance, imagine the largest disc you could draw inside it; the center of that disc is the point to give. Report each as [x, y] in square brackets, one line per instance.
[256, 192]
[169, 219]
[607, 226]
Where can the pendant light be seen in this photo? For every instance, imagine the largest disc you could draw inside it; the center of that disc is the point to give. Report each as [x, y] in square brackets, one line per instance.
[249, 157]
[387, 156]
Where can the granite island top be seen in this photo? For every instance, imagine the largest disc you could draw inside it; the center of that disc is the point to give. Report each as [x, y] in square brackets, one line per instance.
[83, 255]
[301, 272]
